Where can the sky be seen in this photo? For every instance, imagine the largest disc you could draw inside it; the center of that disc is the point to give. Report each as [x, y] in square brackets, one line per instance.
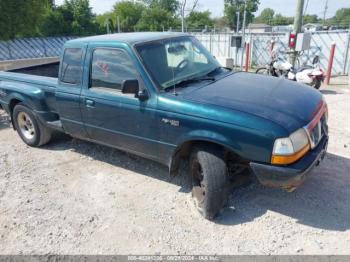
[285, 7]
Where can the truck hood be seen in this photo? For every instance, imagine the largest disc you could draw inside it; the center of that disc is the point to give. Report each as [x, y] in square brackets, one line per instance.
[284, 102]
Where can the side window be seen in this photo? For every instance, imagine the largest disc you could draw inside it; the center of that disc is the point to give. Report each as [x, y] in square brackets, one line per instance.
[109, 68]
[71, 66]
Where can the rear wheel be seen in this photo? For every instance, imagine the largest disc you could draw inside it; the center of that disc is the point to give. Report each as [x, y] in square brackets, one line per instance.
[317, 83]
[210, 182]
[31, 131]
[262, 71]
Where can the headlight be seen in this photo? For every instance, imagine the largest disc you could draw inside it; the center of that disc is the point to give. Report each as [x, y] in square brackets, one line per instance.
[290, 149]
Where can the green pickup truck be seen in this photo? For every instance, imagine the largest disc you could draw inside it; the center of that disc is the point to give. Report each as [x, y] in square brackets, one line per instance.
[163, 96]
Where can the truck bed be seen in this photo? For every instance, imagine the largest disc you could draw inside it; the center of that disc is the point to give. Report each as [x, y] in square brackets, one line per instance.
[31, 79]
[48, 69]
[30, 84]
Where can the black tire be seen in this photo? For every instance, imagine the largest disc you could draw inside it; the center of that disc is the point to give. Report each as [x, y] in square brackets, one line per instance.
[318, 83]
[210, 181]
[263, 71]
[35, 136]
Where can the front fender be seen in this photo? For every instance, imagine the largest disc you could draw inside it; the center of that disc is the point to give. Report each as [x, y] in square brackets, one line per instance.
[199, 136]
[211, 137]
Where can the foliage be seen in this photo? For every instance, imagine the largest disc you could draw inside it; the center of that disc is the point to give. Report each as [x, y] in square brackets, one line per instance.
[106, 18]
[282, 20]
[20, 18]
[342, 18]
[265, 17]
[74, 17]
[220, 23]
[199, 20]
[129, 14]
[172, 6]
[310, 19]
[156, 19]
[234, 6]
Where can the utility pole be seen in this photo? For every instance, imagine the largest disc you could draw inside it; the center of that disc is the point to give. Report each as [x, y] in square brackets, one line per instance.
[325, 13]
[297, 27]
[183, 6]
[243, 30]
[238, 14]
[118, 23]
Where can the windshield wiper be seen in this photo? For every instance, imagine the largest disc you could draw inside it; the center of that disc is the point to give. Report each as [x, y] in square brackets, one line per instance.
[214, 70]
[186, 82]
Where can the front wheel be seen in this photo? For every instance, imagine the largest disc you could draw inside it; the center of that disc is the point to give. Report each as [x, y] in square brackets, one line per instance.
[210, 181]
[31, 131]
[263, 71]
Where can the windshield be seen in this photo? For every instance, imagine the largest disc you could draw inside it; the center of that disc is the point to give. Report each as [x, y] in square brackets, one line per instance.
[174, 60]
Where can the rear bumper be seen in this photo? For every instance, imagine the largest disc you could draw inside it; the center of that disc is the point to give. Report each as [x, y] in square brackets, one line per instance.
[291, 176]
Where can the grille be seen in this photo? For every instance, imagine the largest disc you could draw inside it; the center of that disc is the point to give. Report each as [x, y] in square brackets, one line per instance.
[320, 130]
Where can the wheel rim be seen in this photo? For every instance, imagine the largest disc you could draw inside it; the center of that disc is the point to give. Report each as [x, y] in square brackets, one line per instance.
[26, 125]
[263, 71]
[198, 185]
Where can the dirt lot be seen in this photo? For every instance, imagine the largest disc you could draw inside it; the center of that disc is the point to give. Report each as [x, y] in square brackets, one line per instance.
[74, 197]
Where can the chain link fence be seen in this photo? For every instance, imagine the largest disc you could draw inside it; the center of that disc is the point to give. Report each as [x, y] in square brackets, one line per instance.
[36, 47]
[219, 45]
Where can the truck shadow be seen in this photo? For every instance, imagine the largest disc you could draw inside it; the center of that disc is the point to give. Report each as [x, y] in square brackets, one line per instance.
[321, 202]
[4, 120]
[120, 159]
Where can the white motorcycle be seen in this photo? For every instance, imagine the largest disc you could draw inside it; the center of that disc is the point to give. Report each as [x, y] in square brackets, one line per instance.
[310, 75]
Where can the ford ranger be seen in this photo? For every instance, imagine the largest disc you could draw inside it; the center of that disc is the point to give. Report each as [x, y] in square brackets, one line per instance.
[163, 96]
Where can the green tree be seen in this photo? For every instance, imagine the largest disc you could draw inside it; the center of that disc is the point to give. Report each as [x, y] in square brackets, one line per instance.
[171, 6]
[156, 19]
[234, 6]
[282, 20]
[342, 18]
[310, 19]
[20, 18]
[106, 18]
[74, 17]
[198, 20]
[129, 14]
[266, 16]
[220, 23]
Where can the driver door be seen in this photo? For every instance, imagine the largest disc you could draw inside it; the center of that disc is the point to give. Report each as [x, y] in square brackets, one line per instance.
[111, 117]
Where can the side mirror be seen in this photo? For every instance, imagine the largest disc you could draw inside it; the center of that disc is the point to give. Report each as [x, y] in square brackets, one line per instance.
[130, 86]
[316, 60]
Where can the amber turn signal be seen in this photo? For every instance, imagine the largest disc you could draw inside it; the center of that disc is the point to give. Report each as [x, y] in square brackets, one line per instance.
[289, 159]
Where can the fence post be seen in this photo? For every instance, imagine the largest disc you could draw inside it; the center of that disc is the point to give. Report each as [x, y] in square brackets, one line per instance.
[272, 46]
[330, 63]
[210, 43]
[247, 45]
[347, 46]
[9, 49]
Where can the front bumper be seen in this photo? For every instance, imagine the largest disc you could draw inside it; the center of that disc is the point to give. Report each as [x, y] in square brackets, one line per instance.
[291, 176]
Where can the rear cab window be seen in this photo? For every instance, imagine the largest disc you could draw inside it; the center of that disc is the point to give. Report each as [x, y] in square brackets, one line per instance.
[71, 70]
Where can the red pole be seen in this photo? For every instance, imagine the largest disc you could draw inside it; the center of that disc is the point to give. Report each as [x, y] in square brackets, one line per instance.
[330, 63]
[246, 57]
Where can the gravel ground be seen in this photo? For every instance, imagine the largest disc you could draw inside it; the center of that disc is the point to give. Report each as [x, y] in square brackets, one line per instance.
[74, 197]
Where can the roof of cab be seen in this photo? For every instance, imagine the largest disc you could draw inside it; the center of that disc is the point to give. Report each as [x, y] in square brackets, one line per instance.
[128, 38]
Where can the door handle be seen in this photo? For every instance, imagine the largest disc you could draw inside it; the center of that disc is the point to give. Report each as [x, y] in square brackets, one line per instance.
[89, 103]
